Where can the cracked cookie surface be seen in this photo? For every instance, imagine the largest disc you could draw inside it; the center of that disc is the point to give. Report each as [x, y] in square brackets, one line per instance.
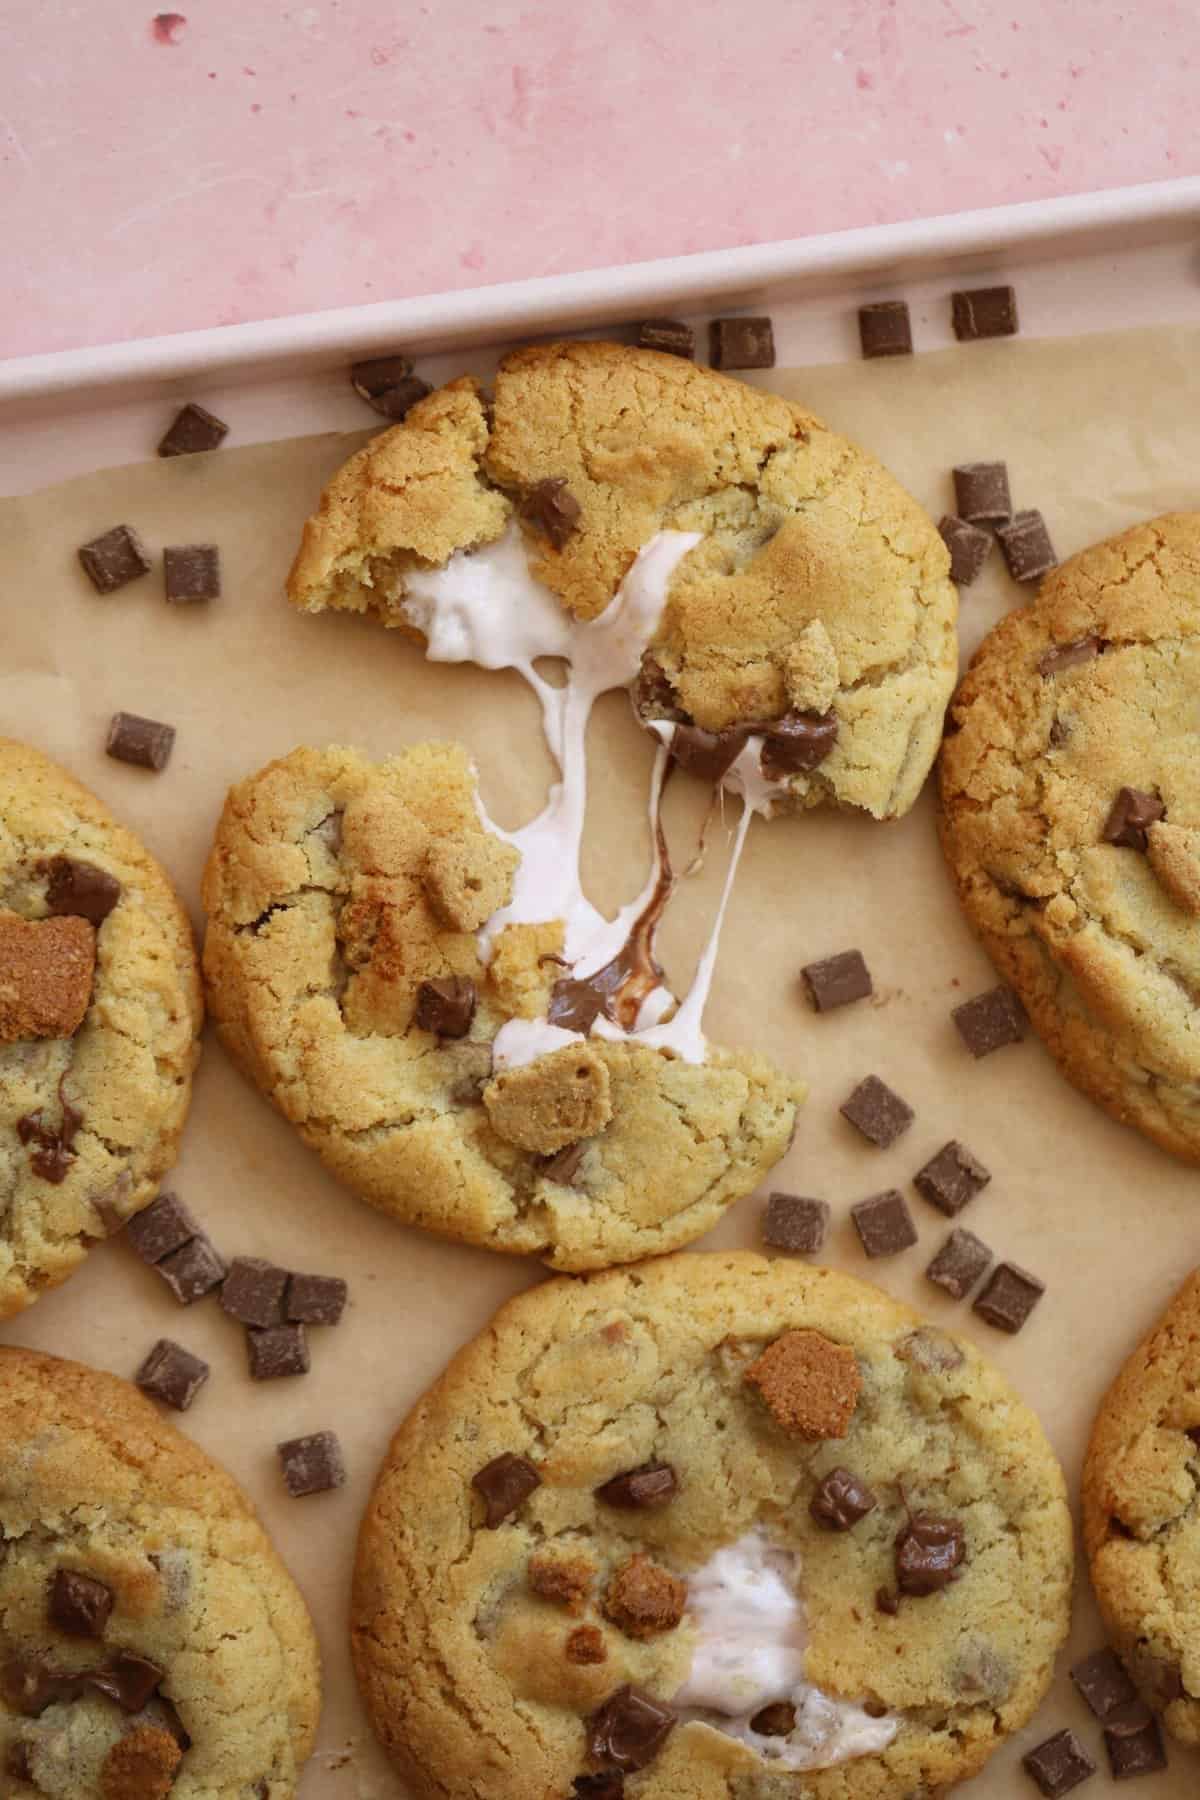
[90, 1112]
[331, 909]
[820, 584]
[1092, 690]
[581, 1397]
[151, 1641]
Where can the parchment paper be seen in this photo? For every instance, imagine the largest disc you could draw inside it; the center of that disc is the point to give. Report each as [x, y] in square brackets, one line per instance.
[1097, 433]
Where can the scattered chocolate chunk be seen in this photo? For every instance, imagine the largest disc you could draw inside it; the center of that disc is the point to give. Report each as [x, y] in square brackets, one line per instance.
[163, 1226]
[1009, 1297]
[79, 1604]
[193, 1270]
[741, 344]
[671, 335]
[651, 1484]
[841, 1500]
[129, 1679]
[172, 1374]
[809, 1384]
[643, 1598]
[312, 1464]
[886, 1602]
[1133, 1739]
[960, 1263]
[277, 1351]
[146, 742]
[968, 547]
[1026, 544]
[253, 1291]
[315, 1299]
[505, 1483]
[609, 1785]
[630, 1729]
[28, 1685]
[446, 1005]
[388, 384]
[586, 1645]
[1133, 812]
[884, 329]
[776, 1720]
[981, 493]
[115, 559]
[884, 1223]
[1068, 656]
[193, 428]
[797, 743]
[794, 1223]
[55, 1151]
[837, 980]
[951, 1178]
[877, 1112]
[47, 967]
[707, 754]
[929, 1350]
[563, 1166]
[80, 890]
[552, 509]
[928, 1551]
[191, 572]
[989, 1021]
[1059, 1764]
[984, 313]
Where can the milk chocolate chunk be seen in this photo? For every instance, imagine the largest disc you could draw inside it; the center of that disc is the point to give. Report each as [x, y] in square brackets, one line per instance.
[446, 1005]
[253, 1291]
[172, 1374]
[741, 344]
[1134, 1741]
[193, 1270]
[609, 1785]
[841, 1499]
[311, 1464]
[1068, 656]
[114, 559]
[707, 754]
[1103, 1682]
[929, 1349]
[776, 1720]
[1026, 544]
[959, 1264]
[878, 1113]
[1009, 1297]
[629, 1730]
[928, 1551]
[989, 1021]
[981, 493]
[277, 1351]
[505, 1484]
[29, 1685]
[191, 572]
[670, 335]
[1058, 1764]
[984, 313]
[388, 384]
[968, 547]
[796, 743]
[651, 1484]
[837, 980]
[1133, 812]
[147, 743]
[884, 1223]
[563, 1166]
[80, 890]
[315, 1299]
[46, 971]
[129, 1679]
[951, 1178]
[164, 1225]
[793, 1222]
[55, 1151]
[552, 509]
[79, 1604]
[884, 329]
[192, 429]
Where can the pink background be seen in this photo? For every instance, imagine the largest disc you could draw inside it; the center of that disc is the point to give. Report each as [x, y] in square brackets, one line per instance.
[261, 159]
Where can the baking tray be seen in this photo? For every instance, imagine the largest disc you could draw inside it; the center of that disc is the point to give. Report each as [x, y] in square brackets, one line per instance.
[1092, 263]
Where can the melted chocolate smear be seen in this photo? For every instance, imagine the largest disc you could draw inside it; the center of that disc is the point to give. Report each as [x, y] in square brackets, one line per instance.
[56, 1146]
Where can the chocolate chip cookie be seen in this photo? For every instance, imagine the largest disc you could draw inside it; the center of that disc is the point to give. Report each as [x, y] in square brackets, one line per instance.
[713, 1526]
[151, 1640]
[100, 1013]
[1070, 789]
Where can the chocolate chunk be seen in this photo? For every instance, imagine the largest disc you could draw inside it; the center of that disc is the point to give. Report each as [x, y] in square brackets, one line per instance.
[1026, 544]
[56, 1143]
[884, 1223]
[129, 1679]
[776, 1720]
[446, 1006]
[28, 1685]
[563, 1166]
[191, 572]
[707, 754]
[505, 1483]
[17, 1763]
[253, 1291]
[929, 1349]
[981, 493]
[145, 742]
[1009, 1297]
[877, 1112]
[1069, 656]
[586, 1645]
[388, 384]
[79, 1604]
[990, 1020]
[959, 1263]
[884, 329]
[1133, 812]
[193, 1270]
[796, 743]
[576, 1005]
[794, 1223]
[741, 344]
[114, 559]
[276, 1351]
[630, 1729]
[80, 890]
[671, 335]
[552, 509]
[841, 1500]
[609, 1785]
[951, 1178]
[192, 429]
[984, 313]
[651, 1484]
[968, 547]
[312, 1464]
[886, 1602]
[837, 980]
[172, 1374]
[1059, 1764]
[163, 1226]
[315, 1299]
[928, 1551]
[1134, 1743]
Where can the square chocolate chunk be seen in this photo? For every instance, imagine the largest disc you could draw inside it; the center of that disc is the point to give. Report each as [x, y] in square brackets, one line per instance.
[669, 335]
[315, 1299]
[877, 1112]
[115, 559]
[951, 1178]
[968, 547]
[1103, 1682]
[981, 494]
[959, 1263]
[193, 428]
[191, 572]
[884, 1223]
[837, 980]
[172, 1374]
[165, 1225]
[276, 1351]
[388, 384]
[145, 742]
[989, 1021]
[192, 1271]
[79, 890]
[1009, 1297]
[884, 329]
[312, 1464]
[984, 313]
[792, 1222]
[253, 1291]
[1134, 1741]
[79, 1605]
[1026, 544]
[741, 344]
[1059, 1764]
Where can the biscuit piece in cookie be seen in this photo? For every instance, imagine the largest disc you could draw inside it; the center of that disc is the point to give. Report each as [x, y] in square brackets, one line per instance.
[1141, 1513]
[803, 533]
[1093, 690]
[462, 1651]
[151, 1641]
[100, 1014]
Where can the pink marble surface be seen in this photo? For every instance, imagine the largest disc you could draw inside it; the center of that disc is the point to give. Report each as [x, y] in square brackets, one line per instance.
[250, 160]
